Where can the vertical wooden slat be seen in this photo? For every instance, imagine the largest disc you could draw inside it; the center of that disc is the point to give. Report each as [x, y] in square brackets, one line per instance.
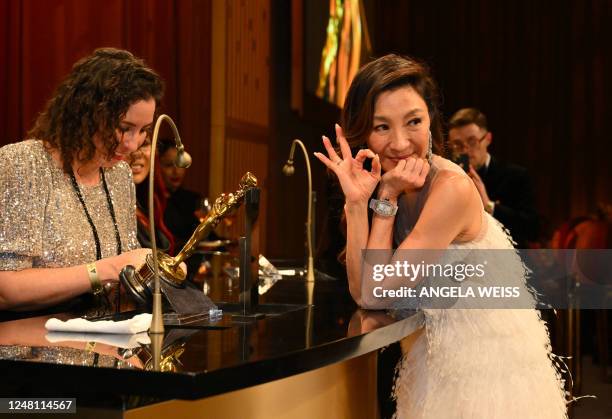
[248, 101]
[218, 96]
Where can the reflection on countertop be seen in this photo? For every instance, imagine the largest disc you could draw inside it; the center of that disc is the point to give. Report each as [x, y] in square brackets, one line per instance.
[202, 359]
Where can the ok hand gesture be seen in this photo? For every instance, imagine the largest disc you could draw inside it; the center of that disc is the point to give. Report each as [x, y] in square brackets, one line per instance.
[357, 183]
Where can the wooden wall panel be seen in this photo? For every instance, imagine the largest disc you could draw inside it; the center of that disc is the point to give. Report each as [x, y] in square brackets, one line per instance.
[241, 127]
[248, 50]
[242, 156]
[193, 86]
[40, 41]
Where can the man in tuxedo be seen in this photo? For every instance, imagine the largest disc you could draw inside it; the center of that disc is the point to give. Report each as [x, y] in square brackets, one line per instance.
[505, 189]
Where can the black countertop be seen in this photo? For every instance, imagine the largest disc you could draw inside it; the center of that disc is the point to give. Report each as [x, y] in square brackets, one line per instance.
[202, 359]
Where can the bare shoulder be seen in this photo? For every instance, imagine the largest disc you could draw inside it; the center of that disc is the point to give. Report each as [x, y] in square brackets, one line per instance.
[453, 187]
[447, 213]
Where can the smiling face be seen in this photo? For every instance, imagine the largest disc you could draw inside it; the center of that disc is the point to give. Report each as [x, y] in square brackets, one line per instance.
[133, 133]
[140, 162]
[400, 127]
[173, 176]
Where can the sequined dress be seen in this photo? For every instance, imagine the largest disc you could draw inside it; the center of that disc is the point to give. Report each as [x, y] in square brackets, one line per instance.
[476, 363]
[42, 222]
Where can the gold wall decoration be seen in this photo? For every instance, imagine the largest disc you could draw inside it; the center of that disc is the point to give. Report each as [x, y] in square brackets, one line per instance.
[343, 50]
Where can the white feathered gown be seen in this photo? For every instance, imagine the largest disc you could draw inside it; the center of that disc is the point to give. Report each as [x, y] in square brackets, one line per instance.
[478, 363]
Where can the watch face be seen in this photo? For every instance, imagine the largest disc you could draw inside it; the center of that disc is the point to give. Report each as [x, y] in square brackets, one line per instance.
[384, 207]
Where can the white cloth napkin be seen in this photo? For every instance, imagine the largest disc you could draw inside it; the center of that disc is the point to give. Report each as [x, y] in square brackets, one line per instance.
[120, 341]
[138, 323]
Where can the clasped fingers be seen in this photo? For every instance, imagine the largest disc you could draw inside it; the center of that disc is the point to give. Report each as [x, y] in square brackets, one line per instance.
[409, 174]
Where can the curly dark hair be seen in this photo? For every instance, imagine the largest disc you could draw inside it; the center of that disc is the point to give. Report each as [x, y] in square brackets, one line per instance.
[384, 74]
[91, 100]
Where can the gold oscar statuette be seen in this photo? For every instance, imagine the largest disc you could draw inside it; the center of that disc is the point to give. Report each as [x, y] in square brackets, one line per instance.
[141, 281]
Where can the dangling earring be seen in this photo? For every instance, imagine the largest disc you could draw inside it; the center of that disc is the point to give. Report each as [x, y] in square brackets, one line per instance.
[429, 149]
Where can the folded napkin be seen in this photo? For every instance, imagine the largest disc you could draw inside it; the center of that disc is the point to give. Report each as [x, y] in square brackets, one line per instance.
[138, 323]
[120, 341]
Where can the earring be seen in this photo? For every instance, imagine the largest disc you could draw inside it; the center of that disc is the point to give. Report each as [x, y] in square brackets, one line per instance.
[429, 149]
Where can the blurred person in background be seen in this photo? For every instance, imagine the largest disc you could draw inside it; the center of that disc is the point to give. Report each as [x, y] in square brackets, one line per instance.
[505, 189]
[140, 163]
[180, 215]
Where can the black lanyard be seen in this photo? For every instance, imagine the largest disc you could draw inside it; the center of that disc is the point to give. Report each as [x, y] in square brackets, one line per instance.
[75, 185]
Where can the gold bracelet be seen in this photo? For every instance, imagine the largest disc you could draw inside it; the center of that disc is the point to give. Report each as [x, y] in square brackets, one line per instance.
[94, 278]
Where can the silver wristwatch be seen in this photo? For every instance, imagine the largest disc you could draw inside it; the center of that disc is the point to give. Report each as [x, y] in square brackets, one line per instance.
[383, 207]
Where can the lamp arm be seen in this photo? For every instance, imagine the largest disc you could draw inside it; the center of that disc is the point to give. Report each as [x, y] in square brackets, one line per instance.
[157, 324]
[309, 216]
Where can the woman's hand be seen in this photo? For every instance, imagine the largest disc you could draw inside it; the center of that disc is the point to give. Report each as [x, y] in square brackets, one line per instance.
[409, 174]
[357, 183]
[109, 268]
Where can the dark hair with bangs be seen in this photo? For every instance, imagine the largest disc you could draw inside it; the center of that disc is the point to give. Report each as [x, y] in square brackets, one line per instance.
[91, 100]
[384, 74]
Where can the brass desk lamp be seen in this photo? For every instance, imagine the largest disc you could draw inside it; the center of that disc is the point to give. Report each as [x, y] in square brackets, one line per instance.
[289, 170]
[183, 160]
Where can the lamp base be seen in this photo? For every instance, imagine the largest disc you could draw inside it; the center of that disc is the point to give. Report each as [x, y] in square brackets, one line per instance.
[183, 299]
[140, 283]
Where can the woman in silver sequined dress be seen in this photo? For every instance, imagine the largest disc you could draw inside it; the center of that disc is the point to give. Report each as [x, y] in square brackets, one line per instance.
[67, 201]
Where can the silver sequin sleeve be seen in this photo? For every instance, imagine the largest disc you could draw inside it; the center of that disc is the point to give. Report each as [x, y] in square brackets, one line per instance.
[132, 221]
[42, 222]
[24, 196]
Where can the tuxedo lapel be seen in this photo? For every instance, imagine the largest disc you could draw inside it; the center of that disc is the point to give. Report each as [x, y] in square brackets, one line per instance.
[491, 178]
